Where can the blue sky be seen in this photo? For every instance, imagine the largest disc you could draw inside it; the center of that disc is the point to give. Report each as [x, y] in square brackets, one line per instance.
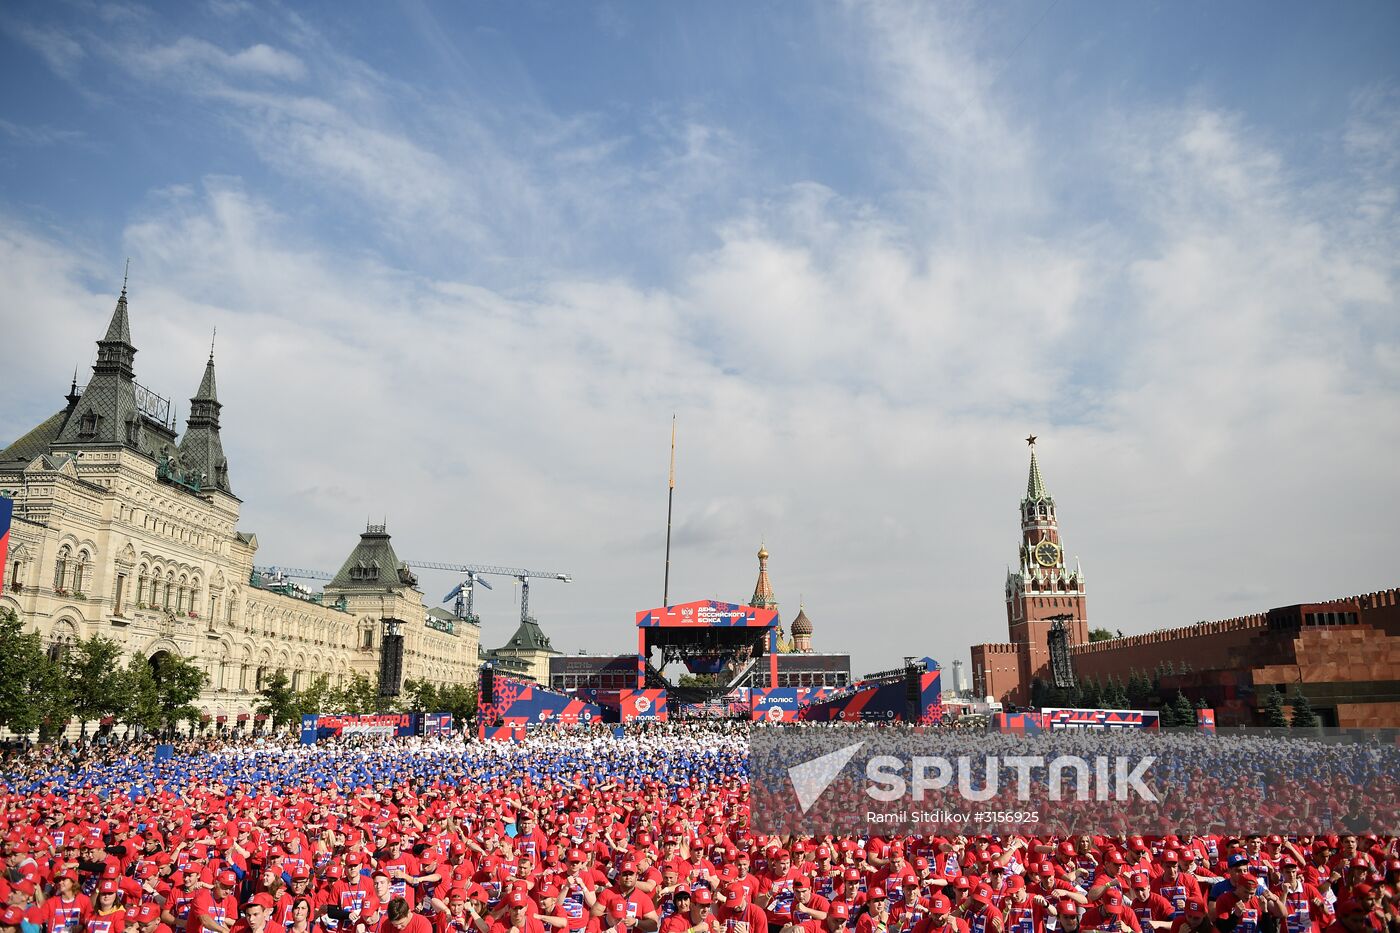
[861, 249]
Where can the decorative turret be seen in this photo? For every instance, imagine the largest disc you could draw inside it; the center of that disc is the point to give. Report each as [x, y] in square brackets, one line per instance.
[802, 630]
[763, 597]
[105, 412]
[201, 449]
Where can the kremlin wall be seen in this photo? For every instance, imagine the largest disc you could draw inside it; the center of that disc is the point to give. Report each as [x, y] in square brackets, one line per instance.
[1342, 654]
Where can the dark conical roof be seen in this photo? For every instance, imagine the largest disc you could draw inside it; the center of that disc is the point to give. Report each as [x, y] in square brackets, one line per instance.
[119, 329]
[801, 625]
[207, 391]
[373, 563]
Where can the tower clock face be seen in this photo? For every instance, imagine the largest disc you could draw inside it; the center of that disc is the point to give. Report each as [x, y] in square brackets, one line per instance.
[1047, 554]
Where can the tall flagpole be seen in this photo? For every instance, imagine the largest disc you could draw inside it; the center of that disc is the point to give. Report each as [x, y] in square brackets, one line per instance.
[670, 498]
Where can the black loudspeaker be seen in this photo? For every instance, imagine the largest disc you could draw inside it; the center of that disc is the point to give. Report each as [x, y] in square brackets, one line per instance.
[913, 693]
[487, 690]
[390, 665]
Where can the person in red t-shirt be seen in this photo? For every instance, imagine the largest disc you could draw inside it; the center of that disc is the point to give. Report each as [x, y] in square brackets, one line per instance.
[1195, 918]
[1352, 917]
[107, 916]
[1240, 909]
[145, 918]
[876, 918]
[216, 909]
[1020, 913]
[940, 918]
[1302, 901]
[981, 916]
[67, 909]
[639, 912]
[1153, 911]
[257, 916]
[400, 918]
[681, 919]
[738, 914]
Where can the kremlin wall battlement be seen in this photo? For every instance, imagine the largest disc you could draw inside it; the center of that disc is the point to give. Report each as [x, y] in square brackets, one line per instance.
[1342, 654]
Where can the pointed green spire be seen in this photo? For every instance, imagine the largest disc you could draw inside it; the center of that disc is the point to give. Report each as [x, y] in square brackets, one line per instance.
[119, 330]
[1035, 486]
[207, 391]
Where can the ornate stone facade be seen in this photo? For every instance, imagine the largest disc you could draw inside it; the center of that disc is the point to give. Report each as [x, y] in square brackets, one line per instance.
[120, 531]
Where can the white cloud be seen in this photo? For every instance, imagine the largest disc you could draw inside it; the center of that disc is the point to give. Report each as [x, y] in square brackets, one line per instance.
[190, 56]
[1211, 364]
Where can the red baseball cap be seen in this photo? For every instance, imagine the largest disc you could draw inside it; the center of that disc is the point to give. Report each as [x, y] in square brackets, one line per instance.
[1196, 908]
[840, 911]
[1140, 880]
[939, 904]
[146, 913]
[1350, 906]
[1067, 908]
[735, 892]
[262, 899]
[1015, 883]
[628, 865]
[982, 895]
[702, 896]
[1170, 857]
[851, 875]
[1112, 902]
[12, 917]
[108, 886]
[875, 894]
[518, 899]
[227, 878]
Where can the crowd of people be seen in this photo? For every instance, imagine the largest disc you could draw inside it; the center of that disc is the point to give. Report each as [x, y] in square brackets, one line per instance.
[653, 830]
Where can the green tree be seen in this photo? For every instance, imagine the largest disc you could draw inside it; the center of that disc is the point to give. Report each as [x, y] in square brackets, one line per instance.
[1303, 715]
[1139, 690]
[279, 703]
[459, 700]
[1099, 634]
[33, 691]
[142, 706]
[1185, 712]
[1273, 710]
[361, 695]
[421, 695]
[96, 680]
[179, 683]
[317, 696]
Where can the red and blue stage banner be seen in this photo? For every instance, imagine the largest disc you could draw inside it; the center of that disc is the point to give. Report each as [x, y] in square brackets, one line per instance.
[707, 613]
[774, 704]
[517, 703]
[316, 726]
[881, 702]
[437, 723]
[643, 704]
[1060, 718]
[1017, 723]
[503, 733]
[1205, 720]
[7, 511]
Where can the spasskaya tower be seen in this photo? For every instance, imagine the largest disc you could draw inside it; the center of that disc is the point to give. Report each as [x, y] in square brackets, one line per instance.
[1042, 586]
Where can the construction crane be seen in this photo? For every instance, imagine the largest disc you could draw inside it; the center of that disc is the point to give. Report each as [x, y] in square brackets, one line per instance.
[474, 573]
[465, 595]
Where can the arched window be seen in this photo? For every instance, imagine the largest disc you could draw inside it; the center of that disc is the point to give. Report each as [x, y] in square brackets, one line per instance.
[60, 567]
[141, 574]
[80, 571]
